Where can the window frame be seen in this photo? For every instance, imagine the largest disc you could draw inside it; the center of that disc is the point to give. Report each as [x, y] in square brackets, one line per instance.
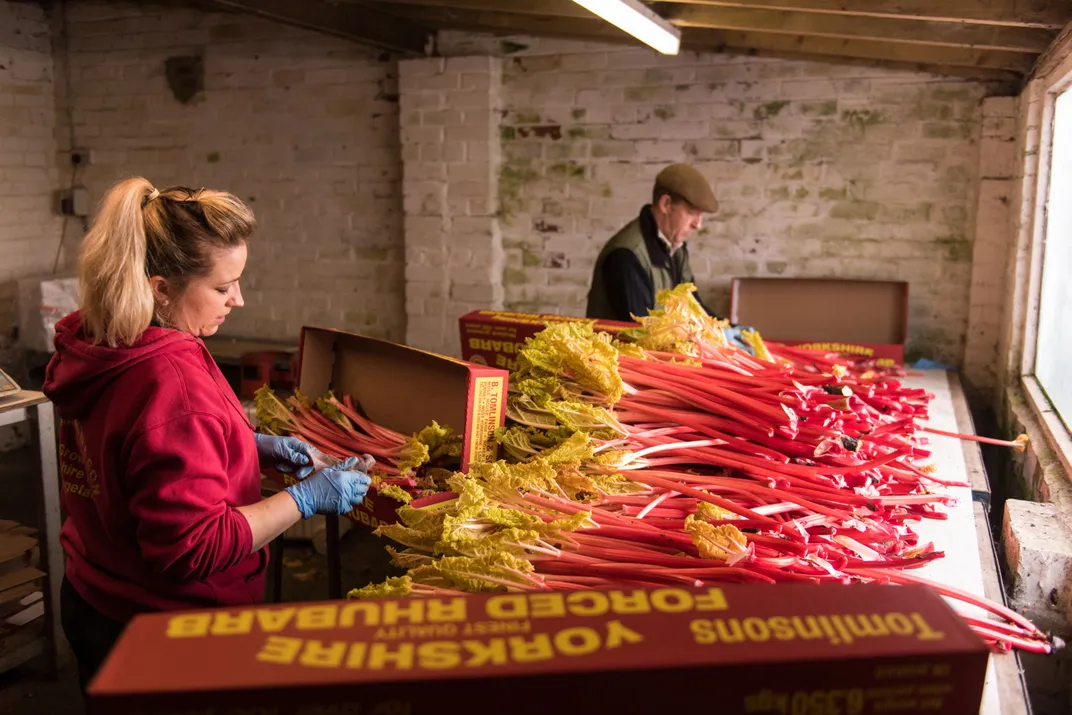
[1054, 427]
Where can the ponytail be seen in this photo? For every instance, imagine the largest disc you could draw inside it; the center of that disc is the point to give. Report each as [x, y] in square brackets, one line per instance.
[117, 300]
[140, 232]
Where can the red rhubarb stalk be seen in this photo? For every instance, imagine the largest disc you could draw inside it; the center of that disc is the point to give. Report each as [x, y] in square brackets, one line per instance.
[952, 592]
[1019, 444]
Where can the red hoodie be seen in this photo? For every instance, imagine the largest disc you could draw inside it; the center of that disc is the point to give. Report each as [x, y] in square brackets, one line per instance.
[156, 453]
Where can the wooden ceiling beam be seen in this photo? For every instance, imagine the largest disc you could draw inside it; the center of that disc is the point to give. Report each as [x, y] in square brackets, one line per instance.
[1051, 59]
[864, 49]
[365, 25]
[1003, 82]
[954, 61]
[552, 8]
[1044, 14]
[588, 27]
[922, 32]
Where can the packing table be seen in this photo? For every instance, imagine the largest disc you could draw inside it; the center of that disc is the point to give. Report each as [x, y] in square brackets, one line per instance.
[970, 561]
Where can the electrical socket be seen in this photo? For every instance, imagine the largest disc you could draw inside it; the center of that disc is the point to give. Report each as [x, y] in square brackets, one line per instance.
[81, 157]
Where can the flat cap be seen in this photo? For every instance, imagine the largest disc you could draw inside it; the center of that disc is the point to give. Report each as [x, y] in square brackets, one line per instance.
[687, 182]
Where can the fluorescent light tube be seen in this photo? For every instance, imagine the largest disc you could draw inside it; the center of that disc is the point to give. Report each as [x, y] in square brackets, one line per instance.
[635, 18]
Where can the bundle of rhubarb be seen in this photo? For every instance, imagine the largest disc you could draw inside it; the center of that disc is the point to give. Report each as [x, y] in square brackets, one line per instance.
[676, 458]
[405, 468]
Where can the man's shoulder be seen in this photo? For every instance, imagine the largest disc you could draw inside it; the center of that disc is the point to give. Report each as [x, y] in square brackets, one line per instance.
[627, 236]
[621, 257]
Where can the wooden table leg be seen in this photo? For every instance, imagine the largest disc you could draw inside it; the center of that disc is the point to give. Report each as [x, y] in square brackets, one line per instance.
[331, 532]
[44, 428]
[277, 570]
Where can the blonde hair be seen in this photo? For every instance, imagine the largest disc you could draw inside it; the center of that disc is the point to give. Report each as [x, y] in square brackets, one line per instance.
[139, 233]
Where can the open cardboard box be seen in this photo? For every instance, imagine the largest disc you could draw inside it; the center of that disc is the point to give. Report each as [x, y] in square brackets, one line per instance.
[862, 319]
[404, 389]
[8, 386]
[495, 337]
[744, 648]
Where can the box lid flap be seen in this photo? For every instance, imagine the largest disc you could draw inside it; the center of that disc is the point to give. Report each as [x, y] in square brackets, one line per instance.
[871, 312]
[387, 380]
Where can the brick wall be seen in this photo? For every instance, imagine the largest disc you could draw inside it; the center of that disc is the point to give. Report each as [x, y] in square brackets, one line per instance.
[451, 155]
[29, 225]
[1041, 473]
[1017, 301]
[997, 153]
[822, 170]
[301, 126]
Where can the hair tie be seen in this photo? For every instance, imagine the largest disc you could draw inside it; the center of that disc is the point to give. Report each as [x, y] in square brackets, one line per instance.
[152, 195]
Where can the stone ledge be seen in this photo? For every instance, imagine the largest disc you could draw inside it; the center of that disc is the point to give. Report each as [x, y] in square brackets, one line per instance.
[1038, 551]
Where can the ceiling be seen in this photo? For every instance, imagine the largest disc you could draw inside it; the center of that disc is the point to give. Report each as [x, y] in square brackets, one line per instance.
[988, 39]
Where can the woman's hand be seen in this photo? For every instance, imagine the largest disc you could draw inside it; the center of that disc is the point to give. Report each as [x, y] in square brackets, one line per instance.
[288, 455]
[334, 490]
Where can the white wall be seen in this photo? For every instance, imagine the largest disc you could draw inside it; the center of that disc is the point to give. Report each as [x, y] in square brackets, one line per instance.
[302, 127]
[29, 224]
[822, 170]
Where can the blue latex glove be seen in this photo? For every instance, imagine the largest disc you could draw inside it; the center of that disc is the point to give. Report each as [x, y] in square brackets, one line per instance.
[925, 364]
[287, 454]
[335, 490]
[733, 335]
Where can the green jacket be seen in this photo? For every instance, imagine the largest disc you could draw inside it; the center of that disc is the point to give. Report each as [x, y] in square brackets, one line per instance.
[632, 268]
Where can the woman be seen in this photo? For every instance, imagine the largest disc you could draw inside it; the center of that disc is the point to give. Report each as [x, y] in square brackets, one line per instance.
[160, 465]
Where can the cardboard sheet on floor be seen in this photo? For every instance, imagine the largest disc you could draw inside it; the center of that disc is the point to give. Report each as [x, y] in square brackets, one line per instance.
[14, 545]
[20, 577]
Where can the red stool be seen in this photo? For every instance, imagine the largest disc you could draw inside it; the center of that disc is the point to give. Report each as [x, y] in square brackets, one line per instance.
[275, 369]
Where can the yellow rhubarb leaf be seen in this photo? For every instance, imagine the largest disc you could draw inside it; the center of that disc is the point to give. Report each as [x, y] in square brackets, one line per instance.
[718, 543]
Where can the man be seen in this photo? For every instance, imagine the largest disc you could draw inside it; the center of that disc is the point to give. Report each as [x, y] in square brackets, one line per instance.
[649, 254]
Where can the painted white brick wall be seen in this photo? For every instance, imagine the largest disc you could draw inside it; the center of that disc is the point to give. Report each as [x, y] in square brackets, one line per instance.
[1040, 474]
[822, 170]
[302, 126]
[29, 223]
[992, 238]
[450, 120]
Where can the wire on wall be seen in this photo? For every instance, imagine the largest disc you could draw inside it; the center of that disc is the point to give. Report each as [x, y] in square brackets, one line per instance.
[68, 102]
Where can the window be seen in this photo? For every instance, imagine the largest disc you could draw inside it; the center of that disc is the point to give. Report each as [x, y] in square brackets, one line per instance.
[1053, 350]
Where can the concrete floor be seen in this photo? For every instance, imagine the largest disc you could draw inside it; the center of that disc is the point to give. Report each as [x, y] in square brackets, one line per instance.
[30, 691]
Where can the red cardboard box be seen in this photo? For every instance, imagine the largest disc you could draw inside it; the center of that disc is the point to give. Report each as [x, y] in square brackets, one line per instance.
[494, 337]
[863, 319]
[404, 389]
[790, 648]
